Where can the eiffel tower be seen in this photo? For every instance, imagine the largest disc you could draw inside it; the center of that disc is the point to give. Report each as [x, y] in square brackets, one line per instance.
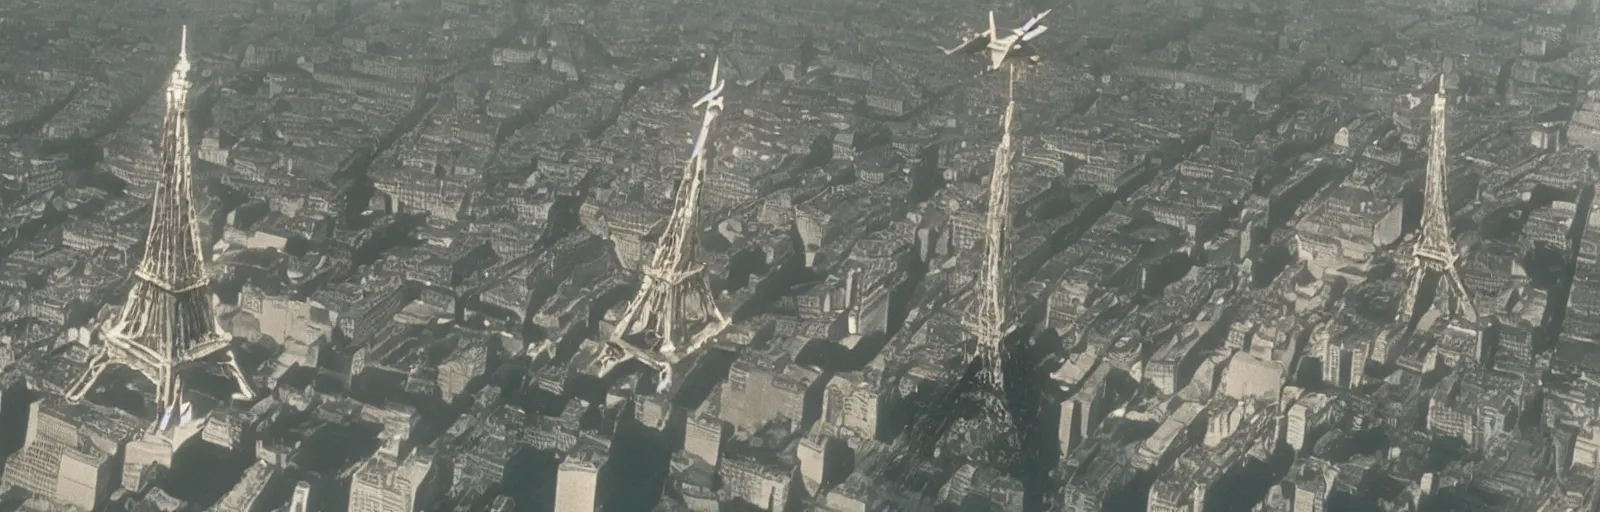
[991, 436]
[167, 323]
[657, 328]
[1435, 253]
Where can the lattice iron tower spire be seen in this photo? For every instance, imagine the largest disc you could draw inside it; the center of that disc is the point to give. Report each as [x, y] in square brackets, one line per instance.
[658, 326]
[991, 436]
[168, 322]
[1435, 252]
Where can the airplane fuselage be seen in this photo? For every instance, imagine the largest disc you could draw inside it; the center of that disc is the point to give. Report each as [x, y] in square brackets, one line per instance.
[1000, 50]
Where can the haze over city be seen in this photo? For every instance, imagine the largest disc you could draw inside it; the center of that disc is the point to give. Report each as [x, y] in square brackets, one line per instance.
[805, 255]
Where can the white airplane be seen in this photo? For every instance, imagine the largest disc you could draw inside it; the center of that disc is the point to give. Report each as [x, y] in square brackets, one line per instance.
[1001, 48]
[713, 96]
[712, 101]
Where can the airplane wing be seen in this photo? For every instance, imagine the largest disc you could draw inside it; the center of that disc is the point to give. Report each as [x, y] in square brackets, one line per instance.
[715, 91]
[1034, 32]
[973, 44]
[1032, 22]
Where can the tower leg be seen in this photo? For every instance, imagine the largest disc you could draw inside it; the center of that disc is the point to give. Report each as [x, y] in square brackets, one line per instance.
[716, 322]
[610, 355]
[230, 365]
[715, 312]
[656, 313]
[664, 379]
[169, 397]
[1408, 306]
[1463, 300]
[705, 335]
[85, 381]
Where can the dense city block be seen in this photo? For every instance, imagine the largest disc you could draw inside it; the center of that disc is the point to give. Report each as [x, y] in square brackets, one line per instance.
[799, 255]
